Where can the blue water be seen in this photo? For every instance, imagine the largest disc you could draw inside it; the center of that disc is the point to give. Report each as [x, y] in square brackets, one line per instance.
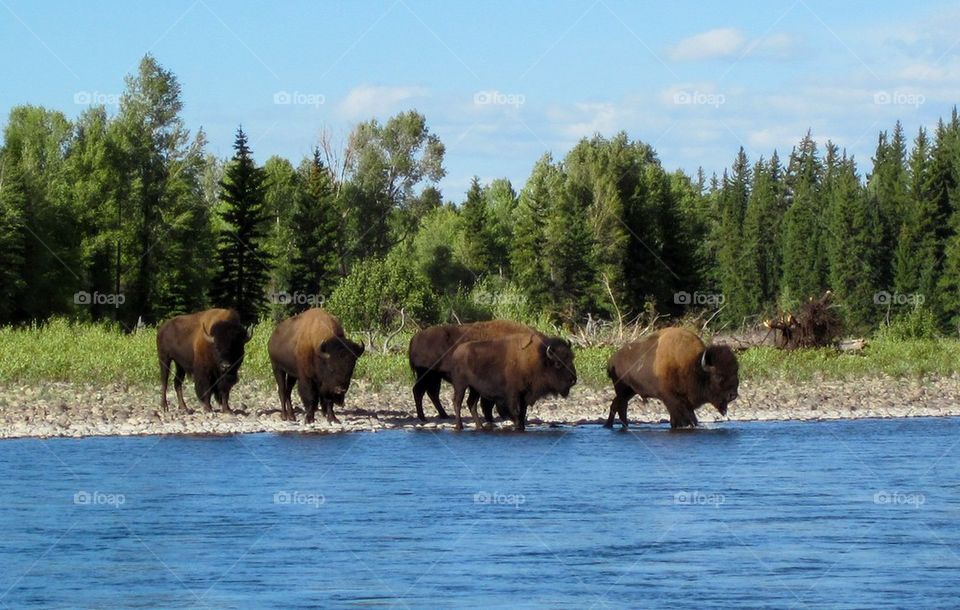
[844, 514]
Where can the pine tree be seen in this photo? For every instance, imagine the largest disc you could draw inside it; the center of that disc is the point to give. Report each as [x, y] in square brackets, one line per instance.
[887, 186]
[527, 255]
[567, 255]
[803, 274]
[851, 244]
[243, 270]
[761, 230]
[315, 265]
[915, 255]
[478, 242]
[740, 292]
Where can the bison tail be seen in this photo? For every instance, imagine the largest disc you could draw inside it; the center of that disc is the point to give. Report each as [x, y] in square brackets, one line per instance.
[611, 372]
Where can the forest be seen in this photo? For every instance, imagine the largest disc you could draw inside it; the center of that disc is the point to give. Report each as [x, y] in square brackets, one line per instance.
[124, 218]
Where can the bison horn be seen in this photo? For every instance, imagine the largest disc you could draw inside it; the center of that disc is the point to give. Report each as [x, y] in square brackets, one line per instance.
[249, 334]
[703, 362]
[363, 348]
[550, 354]
[206, 335]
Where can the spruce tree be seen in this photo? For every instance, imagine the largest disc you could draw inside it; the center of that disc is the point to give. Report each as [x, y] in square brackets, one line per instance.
[851, 240]
[527, 254]
[243, 271]
[315, 265]
[915, 254]
[478, 243]
[803, 274]
[567, 256]
[887, 186]
[733, 260]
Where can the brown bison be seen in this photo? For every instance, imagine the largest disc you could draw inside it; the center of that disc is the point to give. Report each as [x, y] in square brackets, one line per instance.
[673, 365]
[432, 347]
[310, 350]
[207, 345]
[513, 372]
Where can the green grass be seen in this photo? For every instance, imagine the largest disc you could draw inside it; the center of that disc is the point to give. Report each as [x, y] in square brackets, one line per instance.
[89, 353]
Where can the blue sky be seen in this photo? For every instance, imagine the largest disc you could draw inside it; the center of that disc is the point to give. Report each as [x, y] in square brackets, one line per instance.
[503, 82]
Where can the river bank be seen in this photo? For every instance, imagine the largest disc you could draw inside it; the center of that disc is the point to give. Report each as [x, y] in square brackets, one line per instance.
[77, 410]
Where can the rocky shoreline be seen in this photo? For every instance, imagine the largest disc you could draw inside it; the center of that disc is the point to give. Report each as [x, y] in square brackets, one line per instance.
[73, 410]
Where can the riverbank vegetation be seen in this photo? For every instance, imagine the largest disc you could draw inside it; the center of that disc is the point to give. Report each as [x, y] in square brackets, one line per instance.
[101, 354]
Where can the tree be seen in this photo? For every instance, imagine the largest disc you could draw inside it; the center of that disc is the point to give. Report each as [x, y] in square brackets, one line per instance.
[915, 262]
[852, 239]
[761, 229]
[567, 248]
[803, 272]
[283, 191]
[739, 287]
[166, 240]
[242, 275]
[887, 186]
[316, 221]
[478, 241]
[386, 163]
[13, 201]
[527, 254]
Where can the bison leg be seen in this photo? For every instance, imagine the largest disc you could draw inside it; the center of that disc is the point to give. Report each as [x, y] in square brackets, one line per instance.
[164, 377]
[284, 390]
[458, 393]
[680, 413]
[472, 398]
[308, 395]
[287, 402]
[328, 411]
[204, 390]
[487, 407]
[179, 374]
[619, 404]
[433, 391]
[420, 385]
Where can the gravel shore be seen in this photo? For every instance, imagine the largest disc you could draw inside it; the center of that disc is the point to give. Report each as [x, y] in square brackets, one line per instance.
[72, 410]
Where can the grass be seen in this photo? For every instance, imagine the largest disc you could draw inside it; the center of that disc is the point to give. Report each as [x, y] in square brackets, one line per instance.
[89, 353]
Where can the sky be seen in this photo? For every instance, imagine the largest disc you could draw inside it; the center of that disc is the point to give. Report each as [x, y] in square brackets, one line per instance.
[501, 83]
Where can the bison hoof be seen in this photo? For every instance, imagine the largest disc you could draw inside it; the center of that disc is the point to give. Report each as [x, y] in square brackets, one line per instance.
[442, 415]
[333, 420]
[608, 424]
[458, 426]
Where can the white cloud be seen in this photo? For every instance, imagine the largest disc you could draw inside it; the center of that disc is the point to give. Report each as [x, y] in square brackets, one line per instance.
[731, 43]
[712, 44]
[368, 101]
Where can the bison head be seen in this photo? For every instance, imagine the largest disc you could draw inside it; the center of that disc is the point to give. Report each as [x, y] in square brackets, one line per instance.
[558, 366]
[227, 338]
[335, 361]
[720, 364]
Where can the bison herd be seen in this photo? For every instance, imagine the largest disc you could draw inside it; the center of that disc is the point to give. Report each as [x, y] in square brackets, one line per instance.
[498, 364]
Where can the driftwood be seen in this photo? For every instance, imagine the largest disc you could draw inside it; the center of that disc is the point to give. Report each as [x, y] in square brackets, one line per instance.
[816, 324]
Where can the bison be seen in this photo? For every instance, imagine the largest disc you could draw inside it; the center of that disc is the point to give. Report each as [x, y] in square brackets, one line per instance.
[513, 372]
[208, 345]
[310, 350]
[430, 351]
[673, 365]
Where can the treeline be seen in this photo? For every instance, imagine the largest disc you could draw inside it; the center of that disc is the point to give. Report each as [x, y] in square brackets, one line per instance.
[125, 216]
